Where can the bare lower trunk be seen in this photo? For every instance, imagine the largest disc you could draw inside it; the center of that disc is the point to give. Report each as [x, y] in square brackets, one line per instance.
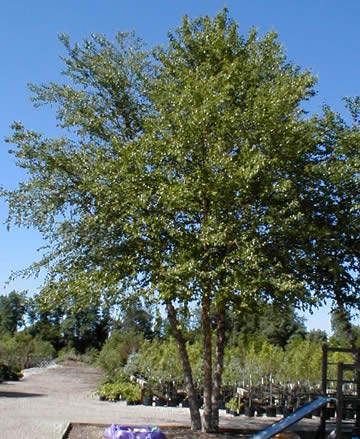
[218, 366]
[207, 425]
[189, 384]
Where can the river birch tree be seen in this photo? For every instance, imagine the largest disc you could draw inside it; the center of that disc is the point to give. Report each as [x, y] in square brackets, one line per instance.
[184, 174]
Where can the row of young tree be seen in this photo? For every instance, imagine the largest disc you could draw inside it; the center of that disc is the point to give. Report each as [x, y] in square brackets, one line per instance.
[248, 366]
[23, 318]
[136, 342]
[192, 176]
[258, 351]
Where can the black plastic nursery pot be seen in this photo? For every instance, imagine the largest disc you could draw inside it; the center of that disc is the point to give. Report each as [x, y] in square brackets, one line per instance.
[160, 403]
[147, 400]
[171, 403]
[349, 413]
[287, 411]
[317, 412]
[270, 412]
[279, 410]
[249, 411]
[330, 412]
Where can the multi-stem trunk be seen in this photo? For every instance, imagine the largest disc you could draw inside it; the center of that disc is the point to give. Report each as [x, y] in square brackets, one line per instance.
[188, 380]
[207, 424]
[218, 365]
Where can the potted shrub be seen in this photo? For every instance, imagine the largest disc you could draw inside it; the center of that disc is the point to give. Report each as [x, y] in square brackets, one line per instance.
[249, 411]
[241, 409]
[185, 402]
[232, 406]
[131, 393]
[147, 398]
[171, 402]
[134, 396]
[259, 410]
[160, 402]
[109, 392]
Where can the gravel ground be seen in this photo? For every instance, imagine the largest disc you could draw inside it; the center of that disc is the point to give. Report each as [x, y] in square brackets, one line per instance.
[41, 405]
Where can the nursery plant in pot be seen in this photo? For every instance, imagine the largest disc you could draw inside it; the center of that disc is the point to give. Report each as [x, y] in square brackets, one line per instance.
[259, 410]
[249, 411]
[147, 398]
[232, 406]
[110, 392]
[241, 409]
[132, 393]
[171, 402]
[160, 402]
[185, 403]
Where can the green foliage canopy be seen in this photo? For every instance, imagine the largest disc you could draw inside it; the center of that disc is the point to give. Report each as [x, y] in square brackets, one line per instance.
[181, 173]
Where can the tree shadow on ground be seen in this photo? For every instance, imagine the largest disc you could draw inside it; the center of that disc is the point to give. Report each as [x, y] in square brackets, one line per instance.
[20, 394]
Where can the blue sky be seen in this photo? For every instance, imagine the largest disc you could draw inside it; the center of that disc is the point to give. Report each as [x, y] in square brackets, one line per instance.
[321, 35]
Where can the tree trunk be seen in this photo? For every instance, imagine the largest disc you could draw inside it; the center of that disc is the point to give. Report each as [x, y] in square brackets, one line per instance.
[218, 366]
[207, 425]
[189, 384]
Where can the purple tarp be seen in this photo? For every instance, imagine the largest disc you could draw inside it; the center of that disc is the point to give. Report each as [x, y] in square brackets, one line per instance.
[133, 432]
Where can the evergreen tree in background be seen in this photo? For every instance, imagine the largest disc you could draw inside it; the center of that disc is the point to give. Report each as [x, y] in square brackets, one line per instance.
[12, 312]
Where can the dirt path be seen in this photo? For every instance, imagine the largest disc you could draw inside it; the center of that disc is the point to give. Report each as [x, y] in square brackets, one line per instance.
[46, 400]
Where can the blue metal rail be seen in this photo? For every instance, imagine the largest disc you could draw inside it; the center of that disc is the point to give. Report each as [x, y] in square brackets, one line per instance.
[294, 417]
